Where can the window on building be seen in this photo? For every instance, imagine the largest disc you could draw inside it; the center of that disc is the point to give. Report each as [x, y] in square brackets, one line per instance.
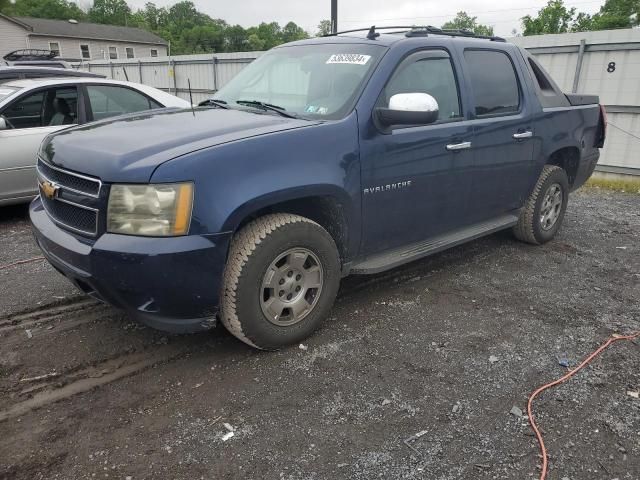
[494, 82]
[154, 52]
[130, 52]
[109, 101]
[55, 48]
[113, 53]
[84, 51]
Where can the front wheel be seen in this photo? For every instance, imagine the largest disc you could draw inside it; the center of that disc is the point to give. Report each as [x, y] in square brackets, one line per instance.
[542, 215]
[281, 279]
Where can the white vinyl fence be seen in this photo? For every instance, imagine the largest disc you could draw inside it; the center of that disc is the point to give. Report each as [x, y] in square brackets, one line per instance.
[604, 63]
[207, 73]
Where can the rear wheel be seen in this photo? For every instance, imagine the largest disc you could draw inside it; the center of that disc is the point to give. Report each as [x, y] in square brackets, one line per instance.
[281, 279]
[542, 215]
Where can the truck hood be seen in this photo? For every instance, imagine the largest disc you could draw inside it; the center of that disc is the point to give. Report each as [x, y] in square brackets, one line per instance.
[129, 148]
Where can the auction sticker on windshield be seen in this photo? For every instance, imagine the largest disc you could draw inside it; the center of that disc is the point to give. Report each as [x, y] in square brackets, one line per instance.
[349, 58]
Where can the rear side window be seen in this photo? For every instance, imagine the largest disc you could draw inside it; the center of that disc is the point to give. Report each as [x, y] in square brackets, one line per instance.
[494, 82]
[109, 101]
[543, 81]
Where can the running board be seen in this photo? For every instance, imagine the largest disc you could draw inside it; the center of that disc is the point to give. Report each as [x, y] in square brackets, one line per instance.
[409, 253]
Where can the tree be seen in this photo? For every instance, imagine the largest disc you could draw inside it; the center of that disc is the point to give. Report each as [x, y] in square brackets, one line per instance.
[464, 22]
[616, 14]
[111, 12]
[553, 18]
[292, 32]
[255, 43]
[271, 33]
[55, 9]
[324, 28]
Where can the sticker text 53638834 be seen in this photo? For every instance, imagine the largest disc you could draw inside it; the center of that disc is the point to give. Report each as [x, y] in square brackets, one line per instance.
[349, 58]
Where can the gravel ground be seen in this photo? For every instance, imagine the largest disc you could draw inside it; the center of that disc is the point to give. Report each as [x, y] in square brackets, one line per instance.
[414, 376]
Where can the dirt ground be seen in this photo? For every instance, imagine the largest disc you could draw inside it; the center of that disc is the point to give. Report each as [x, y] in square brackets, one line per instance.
[414, 376]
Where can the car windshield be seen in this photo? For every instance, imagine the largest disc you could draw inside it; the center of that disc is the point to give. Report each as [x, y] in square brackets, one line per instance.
[311, 81]
[6, 92]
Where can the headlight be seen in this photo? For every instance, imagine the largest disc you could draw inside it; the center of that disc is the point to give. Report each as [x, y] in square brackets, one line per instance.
[161, 210]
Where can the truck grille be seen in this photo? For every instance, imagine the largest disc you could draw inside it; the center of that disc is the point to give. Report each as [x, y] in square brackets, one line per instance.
[70, 199]
[71, 181]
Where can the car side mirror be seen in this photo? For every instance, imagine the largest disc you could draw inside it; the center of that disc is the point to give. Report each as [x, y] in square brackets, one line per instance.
[409, 109]
[3, 123]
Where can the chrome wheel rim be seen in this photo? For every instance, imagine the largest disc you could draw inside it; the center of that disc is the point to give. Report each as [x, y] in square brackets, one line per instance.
[551, 207]
[291, 287]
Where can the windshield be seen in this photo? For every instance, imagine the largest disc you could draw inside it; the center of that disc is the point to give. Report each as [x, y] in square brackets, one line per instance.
[6, 92]
[311, 81]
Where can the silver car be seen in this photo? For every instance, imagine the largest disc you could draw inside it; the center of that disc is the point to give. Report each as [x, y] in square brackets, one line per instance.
[32, 109]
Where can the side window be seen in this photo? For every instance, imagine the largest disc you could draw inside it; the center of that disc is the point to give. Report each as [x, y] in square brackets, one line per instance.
[434, 76]
[53, 107]
[109, 101]
[494, 82]
[541, 78]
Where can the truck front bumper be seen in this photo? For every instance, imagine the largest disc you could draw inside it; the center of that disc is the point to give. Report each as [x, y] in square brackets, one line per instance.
[172, 284]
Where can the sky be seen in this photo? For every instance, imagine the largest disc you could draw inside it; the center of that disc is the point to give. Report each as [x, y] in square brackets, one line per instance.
[503, 15]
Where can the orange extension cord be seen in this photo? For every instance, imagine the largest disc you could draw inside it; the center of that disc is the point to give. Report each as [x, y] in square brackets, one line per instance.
[614, 338]
[21, 262]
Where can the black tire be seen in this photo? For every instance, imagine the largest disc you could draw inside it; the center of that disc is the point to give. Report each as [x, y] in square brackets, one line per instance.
[530, 227]
[252, 251]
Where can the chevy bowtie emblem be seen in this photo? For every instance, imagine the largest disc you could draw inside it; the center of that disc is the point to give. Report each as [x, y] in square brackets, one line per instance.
[49, 189]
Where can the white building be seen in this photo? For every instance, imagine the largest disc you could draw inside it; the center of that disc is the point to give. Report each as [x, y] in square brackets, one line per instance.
[78, 41]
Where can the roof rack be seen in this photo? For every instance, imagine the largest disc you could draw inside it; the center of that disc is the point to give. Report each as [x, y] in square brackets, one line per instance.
[418, 31]
[29, 54]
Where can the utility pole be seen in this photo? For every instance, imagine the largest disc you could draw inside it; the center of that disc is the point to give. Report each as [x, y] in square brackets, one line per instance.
[334, 16]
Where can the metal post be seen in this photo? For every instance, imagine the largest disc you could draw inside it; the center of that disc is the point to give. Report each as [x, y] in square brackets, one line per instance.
[111, 69]
[175, 81]
[215, 74]
[140, 71]
[576, 78]
[334, 16]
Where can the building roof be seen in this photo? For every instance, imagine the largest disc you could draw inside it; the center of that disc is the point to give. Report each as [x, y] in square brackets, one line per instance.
[96, 31]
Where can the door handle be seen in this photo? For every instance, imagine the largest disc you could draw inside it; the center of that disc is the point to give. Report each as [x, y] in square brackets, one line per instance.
[454, 147]
[523, 135]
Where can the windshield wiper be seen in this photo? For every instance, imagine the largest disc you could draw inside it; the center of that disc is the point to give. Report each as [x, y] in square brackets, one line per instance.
[267, 106]
[212, 102]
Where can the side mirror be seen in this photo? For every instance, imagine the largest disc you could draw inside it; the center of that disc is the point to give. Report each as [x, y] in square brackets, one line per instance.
[3, 123]
[409, 109]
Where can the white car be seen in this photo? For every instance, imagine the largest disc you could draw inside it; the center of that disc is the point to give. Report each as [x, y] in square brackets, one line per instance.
[32, 109]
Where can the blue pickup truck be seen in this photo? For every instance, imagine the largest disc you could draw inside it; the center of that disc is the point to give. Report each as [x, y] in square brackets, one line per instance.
[348, 154]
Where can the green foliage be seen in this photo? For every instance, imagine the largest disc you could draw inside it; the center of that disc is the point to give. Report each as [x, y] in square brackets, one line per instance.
[616, 14]
[324, 28]
[111, 12]
[55, 9]
[464, 22]
[553, 18]
[556, 18]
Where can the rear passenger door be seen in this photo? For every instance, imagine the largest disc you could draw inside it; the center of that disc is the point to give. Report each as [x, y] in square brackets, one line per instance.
[503, 133]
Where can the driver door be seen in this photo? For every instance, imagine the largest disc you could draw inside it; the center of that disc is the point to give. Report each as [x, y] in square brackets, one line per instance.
[30, 119]
[416, 179]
